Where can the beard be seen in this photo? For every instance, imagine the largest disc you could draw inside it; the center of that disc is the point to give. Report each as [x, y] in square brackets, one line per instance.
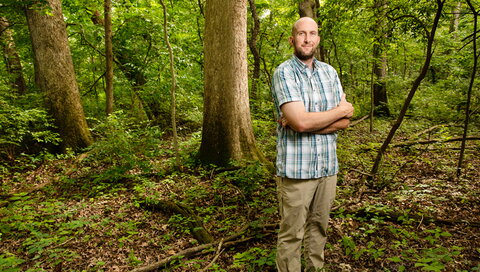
[304, 56]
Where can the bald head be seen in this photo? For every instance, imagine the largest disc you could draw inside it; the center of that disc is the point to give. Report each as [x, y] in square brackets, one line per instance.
[305, 39]
[303, 21]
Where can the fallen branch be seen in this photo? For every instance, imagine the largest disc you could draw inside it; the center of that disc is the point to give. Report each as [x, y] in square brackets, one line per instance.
[428, 130]
[217, 255]
[354, 123]
[404, 144]
[227, 242]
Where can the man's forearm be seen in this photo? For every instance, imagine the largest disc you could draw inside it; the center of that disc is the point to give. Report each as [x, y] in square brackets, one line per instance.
[302, 121]
[334, 127]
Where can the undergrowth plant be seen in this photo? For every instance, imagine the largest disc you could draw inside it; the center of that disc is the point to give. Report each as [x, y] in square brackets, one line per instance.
[25, 136]
[255, 259]
[124, 146]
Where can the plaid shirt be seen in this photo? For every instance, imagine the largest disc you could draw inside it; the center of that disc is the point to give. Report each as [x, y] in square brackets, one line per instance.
[306, 155]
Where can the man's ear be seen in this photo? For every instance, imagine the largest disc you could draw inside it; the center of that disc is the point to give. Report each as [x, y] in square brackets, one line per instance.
[290, 40]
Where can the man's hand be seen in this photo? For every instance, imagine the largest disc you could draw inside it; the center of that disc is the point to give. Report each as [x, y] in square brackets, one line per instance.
[283, 121]
[346, 107]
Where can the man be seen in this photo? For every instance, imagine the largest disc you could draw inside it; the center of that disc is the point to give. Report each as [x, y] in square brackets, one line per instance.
[311, 107]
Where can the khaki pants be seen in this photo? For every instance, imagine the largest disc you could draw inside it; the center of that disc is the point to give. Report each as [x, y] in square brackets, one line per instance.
[304, 210]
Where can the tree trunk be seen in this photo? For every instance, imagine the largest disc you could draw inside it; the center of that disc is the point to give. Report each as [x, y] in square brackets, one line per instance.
[108, 57]
[380, 101]
[227, 127]
[132, 68]
[455, 21]
[307, 8]
[55, 76]
[173, 104]
[411, 94]
[252, 43]
[12, 60]
[470, 88]
[137, 77]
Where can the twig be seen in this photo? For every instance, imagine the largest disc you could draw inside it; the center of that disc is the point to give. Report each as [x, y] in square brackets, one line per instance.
[420, 223]
[356, 122]
[361, 172]
[217, 255]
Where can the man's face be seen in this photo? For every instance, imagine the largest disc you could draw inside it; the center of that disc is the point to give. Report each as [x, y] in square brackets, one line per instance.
[305, 39]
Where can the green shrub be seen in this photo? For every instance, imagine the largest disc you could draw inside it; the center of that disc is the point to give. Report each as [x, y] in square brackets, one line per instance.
[123, 145]
[25, 131]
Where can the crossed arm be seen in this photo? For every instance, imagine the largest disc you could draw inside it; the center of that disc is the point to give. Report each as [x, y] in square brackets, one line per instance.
[295, 117]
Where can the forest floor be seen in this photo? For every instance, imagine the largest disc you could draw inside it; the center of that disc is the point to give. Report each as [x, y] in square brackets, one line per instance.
[81, 214]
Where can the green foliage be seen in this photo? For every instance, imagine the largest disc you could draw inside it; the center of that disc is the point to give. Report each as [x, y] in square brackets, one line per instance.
[10, 263]
[41, 227]
[123, 146]
[180, 224]
[24, 131]
[248, 178]
[434, 259]
[255, 259]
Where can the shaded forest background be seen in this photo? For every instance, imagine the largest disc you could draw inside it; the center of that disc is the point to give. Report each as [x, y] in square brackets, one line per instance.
[112, 157]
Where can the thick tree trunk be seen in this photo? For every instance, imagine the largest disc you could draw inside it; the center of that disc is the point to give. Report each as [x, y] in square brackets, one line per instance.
[55, 76]
[12, 60]
[227, 127]
[108, 57]
[380, 101]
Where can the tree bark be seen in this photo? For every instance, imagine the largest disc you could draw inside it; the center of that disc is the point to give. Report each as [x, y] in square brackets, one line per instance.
[411, 94]
[12, 59]
[55, 75]
[108, 57]
[227, 127]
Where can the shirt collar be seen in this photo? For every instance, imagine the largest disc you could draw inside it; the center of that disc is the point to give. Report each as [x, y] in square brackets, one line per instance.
[302, 66]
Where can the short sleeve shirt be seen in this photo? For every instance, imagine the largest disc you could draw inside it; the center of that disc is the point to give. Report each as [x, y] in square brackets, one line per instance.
[306, 155]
